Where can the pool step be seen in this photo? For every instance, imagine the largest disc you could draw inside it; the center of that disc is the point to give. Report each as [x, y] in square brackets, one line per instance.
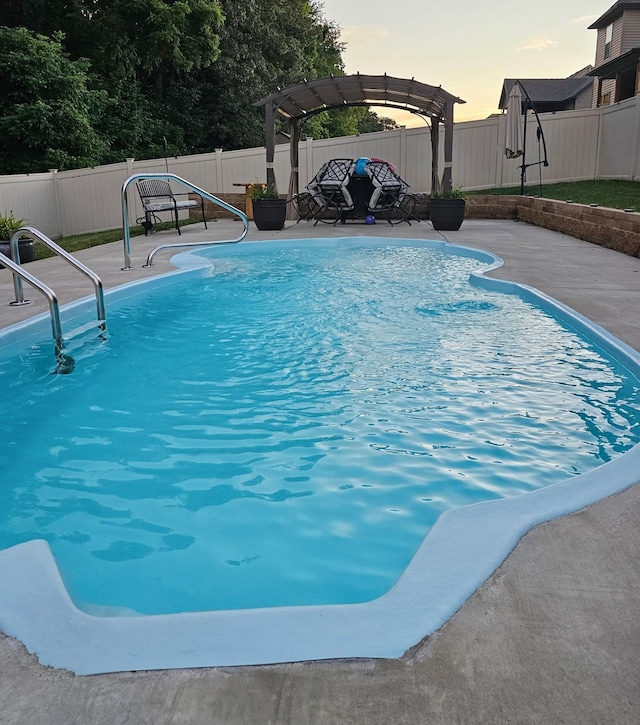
[79, 343]
[82, 330]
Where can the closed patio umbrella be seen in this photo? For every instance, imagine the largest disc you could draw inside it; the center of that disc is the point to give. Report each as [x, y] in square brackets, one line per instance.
[513, 145]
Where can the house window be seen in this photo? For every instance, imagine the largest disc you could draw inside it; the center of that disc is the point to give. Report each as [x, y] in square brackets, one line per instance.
[608, 33]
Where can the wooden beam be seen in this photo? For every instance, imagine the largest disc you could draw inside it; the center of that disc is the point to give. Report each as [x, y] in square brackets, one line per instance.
[270, 141]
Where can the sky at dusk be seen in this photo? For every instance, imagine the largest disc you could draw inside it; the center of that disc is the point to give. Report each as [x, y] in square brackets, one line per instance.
[467, 47]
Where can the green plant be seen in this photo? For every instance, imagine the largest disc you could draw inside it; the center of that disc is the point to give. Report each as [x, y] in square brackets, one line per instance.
[8, 225]
[453, 193]
[263, 191]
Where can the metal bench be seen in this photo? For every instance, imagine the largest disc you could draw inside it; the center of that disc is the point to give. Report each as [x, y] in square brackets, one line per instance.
[156, 196]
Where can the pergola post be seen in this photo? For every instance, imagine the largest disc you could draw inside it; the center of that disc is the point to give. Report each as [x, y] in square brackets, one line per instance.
[448, 146]
[270, 142]
[435, 156]
[294, 157]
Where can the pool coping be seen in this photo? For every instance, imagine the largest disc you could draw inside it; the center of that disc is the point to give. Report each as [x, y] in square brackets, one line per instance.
[35, 607]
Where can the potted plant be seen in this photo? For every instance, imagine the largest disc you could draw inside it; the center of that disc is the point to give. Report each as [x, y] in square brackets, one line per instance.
[269, 210]
[447, 209]
[26, 246]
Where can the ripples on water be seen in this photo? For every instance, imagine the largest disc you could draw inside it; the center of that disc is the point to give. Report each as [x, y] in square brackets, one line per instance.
[287, 431]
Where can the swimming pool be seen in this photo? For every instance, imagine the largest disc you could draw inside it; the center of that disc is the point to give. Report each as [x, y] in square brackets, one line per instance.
[420, 322]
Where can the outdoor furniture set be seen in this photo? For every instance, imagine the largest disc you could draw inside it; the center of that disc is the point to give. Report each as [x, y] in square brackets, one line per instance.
[362, 189]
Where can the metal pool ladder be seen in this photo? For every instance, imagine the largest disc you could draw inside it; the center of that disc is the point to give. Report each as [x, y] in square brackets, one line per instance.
[175, 245]
[65, 361]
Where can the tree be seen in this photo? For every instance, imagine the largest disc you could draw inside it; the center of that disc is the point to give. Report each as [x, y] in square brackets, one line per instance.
[141, 53]
[370, 121]
[264, 44]
[48, 110]
[177, 74]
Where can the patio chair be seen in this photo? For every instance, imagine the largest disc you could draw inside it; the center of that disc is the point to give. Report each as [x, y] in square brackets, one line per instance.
[156, 196]
[306, 206]
[329, 188]
[389, 195]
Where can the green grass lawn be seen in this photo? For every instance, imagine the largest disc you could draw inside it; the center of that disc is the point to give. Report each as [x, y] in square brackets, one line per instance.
[76, 242]
[613, 193]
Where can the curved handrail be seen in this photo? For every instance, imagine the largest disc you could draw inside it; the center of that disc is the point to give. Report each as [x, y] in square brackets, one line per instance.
[21, 273]
[39, 236]
[176, 245]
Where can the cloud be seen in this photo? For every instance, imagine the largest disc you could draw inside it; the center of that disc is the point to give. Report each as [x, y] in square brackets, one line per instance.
[538, 44]
[585, 19]
[363, 33]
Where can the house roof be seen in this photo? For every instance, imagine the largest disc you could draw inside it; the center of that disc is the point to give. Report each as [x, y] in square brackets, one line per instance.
[311, 97]
[610, 69]
[547, 90]
[613, 12]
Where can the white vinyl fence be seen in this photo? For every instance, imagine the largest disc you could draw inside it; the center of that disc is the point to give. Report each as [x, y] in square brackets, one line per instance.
[587, 144]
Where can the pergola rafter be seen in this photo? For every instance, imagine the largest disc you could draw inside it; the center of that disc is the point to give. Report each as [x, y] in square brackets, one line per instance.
[298, 103]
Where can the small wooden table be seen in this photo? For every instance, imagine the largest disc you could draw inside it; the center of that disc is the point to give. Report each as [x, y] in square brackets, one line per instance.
[248, 205]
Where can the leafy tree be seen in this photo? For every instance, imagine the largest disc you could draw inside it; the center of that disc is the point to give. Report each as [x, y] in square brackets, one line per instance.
[264, 44]
[126, 35]
[370, 121]
[47, 109]
[141, 52]
[156, 74]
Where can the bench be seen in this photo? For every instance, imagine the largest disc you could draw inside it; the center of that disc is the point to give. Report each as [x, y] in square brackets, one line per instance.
[156, 196]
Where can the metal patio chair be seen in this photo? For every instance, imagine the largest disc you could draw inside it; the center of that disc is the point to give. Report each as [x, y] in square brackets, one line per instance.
[329, 188]
[390, 195]
[157, 196]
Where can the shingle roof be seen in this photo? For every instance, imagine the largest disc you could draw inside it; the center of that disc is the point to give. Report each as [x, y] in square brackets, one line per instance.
[612, 13]
[547, 90]
[620, 63]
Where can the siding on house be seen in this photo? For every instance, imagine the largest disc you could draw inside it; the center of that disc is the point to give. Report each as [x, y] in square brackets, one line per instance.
[630, 37]
[584, 99]
[616, 42]
[625, 36]
[608, 85]
[616, 38]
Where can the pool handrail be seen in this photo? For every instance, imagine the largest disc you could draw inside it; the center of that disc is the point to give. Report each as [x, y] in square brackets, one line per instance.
[19, 273]
[176, 245]
[38, 236]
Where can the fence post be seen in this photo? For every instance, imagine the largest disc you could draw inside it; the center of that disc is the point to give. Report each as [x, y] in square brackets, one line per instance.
[311, 169]
[56, 199]
[633, 170]
[500, 156]
[132, 211]
[403, 152]
[219, 183]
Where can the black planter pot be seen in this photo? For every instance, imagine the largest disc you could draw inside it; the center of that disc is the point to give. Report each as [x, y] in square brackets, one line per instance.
[269, 214]
[447, 214]
[26, 247]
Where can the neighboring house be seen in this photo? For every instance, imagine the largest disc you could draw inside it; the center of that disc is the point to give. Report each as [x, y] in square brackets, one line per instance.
[617, 53]
[553, 94]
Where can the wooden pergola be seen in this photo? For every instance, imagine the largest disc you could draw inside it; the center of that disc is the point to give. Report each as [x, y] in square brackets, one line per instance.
[298, 103]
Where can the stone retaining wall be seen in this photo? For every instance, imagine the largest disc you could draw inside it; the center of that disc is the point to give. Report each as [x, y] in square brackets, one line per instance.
[213, 211]
[612, 228]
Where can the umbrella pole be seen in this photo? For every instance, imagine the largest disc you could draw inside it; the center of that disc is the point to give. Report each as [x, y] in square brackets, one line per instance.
[523, 168]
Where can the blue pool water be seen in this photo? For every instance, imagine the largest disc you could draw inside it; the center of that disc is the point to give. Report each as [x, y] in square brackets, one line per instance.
[287, 430]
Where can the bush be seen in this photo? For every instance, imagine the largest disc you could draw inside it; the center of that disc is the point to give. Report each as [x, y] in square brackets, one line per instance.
[8, 225]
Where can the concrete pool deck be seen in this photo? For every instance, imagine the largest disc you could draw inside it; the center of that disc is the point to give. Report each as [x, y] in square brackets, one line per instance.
[552, 636]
